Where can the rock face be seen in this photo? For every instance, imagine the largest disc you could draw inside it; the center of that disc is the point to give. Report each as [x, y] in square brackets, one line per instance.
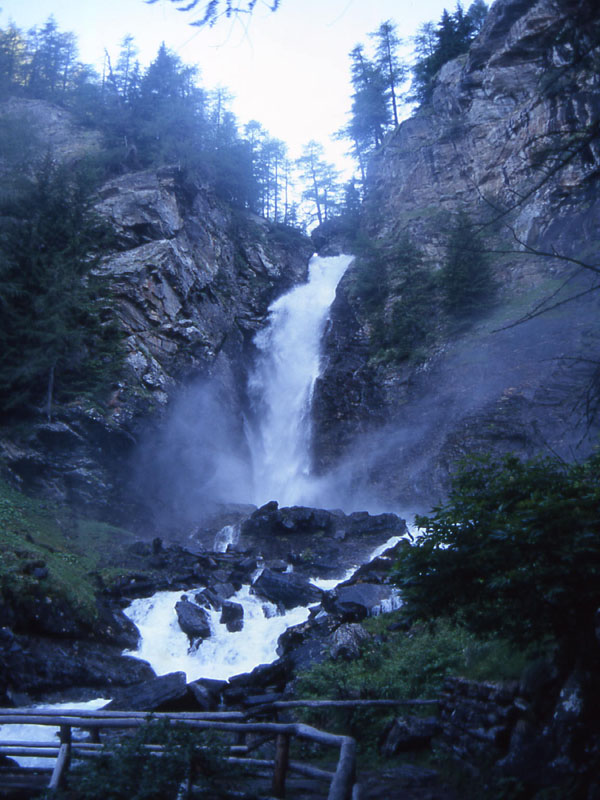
[191, 280]
[497, 141]
[316, 541]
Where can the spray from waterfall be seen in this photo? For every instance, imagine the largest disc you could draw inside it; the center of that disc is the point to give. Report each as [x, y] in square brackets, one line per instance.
[281, 385]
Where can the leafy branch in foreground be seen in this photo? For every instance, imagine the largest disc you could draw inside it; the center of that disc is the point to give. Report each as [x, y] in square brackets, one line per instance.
[213, 9]
[515, 551]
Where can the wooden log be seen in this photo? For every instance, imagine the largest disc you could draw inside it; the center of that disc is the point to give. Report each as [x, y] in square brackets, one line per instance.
[279, 704]
[343, 781]
[38, 751]
[282, 757]
[59, 768]
[99, 714]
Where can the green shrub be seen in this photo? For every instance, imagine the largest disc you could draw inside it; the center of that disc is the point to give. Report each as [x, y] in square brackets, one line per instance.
[126, 771]
[515, 550]
[402, 665]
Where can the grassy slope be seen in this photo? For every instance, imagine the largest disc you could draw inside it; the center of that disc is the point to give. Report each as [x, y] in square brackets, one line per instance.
[46, 536]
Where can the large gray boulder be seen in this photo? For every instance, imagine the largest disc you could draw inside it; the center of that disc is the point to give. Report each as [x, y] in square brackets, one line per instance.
[193, 620]
[287, 588]
[153, 695]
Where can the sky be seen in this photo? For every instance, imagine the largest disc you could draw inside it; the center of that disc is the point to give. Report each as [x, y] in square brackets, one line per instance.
[289, 69]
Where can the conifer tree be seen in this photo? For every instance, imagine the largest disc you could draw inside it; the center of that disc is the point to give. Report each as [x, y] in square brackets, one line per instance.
[390, 66]
[55, 338]
[467, 280]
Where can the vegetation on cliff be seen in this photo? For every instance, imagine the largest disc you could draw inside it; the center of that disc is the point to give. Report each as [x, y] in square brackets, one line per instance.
[408, 303]
[58, 336]
[49, 555]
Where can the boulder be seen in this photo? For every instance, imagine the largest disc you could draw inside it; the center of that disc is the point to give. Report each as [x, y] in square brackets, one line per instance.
[232, 615]
[408, 733]
[155, 695]
[204, 698]
[303, 645]
[347, 640]
[356, 601]
[192, 619]
[287, 588]
[208, 598]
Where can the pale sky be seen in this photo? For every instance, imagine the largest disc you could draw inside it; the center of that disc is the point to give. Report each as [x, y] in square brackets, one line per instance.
[289, 69]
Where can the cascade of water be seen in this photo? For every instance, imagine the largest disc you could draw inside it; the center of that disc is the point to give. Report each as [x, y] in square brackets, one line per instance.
[228, 535]
[167, 649]
[282, 382]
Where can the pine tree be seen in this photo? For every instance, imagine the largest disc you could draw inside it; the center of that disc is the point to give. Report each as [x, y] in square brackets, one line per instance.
[388, 63]
[321, 181]
[467, 280]
[55, 339]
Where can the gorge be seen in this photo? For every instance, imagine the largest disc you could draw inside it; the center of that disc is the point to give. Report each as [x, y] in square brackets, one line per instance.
[225, 456]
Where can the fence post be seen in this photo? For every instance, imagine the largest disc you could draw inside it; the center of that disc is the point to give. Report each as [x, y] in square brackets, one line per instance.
[282, 756]
[63, 760]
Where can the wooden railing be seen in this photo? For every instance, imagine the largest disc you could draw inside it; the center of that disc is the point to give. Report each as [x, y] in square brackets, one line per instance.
[342, 781]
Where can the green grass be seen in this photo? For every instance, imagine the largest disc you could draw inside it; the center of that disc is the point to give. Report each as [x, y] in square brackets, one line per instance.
[51, 536]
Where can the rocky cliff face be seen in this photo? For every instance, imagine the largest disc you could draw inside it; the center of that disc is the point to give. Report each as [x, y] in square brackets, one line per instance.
[511, 137]
[191, 280]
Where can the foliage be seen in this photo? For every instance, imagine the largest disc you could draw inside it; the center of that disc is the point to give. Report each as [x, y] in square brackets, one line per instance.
[376, 83]
[126, 771]
[153, 116]
[405, 665]
[515, 550]
[56, 334]
[321, 180]
[396, 288]
[466, 278]
[435, 46]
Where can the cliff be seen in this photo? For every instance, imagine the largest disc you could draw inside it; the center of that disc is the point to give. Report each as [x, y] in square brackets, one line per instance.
[191, 279]
[511, 138]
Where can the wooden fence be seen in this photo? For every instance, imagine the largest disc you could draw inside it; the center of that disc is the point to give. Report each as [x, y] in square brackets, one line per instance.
[341, 782]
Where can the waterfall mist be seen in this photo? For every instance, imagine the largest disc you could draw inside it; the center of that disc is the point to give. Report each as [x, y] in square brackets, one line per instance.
[197, 461]
[223, 444]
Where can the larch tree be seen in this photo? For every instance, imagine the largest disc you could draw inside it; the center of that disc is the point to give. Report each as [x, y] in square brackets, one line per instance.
[388, 62]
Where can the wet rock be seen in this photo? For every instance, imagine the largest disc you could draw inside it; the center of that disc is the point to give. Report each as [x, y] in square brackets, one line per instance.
[162, 693]
[208, 598]
[232, 616]
[203, 697]
[408, 733]
[264, 679]
[303, 645]
[41, 664]
[193, 620]
[317, 541]
[347, 640]
[287, 588]
[355, 602]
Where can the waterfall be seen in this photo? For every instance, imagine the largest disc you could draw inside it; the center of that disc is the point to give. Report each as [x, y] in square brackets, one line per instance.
[282, 382]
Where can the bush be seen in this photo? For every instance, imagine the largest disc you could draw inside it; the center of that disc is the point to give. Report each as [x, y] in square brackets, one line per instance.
[402, 665]
[126, 771]
[515, 551]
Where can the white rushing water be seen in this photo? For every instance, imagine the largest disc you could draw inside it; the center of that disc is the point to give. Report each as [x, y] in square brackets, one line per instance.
[224, 654]
[282, 384]
[44, 733]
